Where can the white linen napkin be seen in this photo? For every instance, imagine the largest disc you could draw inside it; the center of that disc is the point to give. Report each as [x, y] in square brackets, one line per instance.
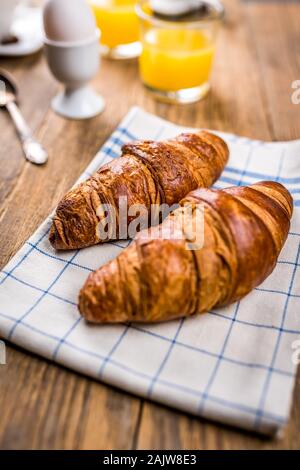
[236, 365]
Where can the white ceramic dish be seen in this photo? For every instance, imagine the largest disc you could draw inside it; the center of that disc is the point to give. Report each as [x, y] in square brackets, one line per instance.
[28, 28]
[78, 100]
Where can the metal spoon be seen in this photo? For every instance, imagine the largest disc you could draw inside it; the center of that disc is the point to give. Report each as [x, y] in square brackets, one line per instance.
[33, 151]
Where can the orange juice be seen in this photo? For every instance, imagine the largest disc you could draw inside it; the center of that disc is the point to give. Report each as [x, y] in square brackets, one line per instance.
[117, 21]
[176, 59]
[178, 49]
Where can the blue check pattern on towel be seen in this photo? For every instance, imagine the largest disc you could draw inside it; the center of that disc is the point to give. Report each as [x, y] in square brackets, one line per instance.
[236, 365]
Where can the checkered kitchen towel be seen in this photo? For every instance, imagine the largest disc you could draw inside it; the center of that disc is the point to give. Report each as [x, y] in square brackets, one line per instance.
[236, 365]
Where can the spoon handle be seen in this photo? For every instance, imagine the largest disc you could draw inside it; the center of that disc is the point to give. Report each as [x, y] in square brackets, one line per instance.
[33, 151]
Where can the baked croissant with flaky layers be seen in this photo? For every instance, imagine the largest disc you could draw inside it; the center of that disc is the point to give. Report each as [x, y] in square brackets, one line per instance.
[158, 279]
[147, 173]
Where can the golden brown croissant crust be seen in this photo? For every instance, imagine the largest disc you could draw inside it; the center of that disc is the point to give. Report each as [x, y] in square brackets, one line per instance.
[159, 279]
[147, 173]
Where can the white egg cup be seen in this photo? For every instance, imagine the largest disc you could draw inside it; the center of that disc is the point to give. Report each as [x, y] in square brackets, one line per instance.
[74, 65]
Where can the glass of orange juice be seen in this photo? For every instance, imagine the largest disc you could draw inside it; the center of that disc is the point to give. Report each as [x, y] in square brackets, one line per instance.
[119, 26]
[178, 50]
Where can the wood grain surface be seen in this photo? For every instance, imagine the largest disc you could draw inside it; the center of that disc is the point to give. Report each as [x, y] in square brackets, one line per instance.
[44, 406]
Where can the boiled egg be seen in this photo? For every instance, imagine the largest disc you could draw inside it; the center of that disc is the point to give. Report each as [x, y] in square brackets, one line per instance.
[174, 7]
[68, 20]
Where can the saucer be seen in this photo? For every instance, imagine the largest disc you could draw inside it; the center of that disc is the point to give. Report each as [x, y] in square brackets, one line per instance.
[28, 28]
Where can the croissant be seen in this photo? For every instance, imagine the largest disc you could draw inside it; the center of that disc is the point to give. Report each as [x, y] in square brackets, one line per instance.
[148, 173]
[157, 279]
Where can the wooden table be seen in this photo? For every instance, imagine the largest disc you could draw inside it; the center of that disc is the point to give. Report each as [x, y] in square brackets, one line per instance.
[42, 405]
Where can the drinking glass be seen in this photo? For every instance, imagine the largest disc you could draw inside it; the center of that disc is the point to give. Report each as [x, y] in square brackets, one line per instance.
[119, 26]
[177, 52]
